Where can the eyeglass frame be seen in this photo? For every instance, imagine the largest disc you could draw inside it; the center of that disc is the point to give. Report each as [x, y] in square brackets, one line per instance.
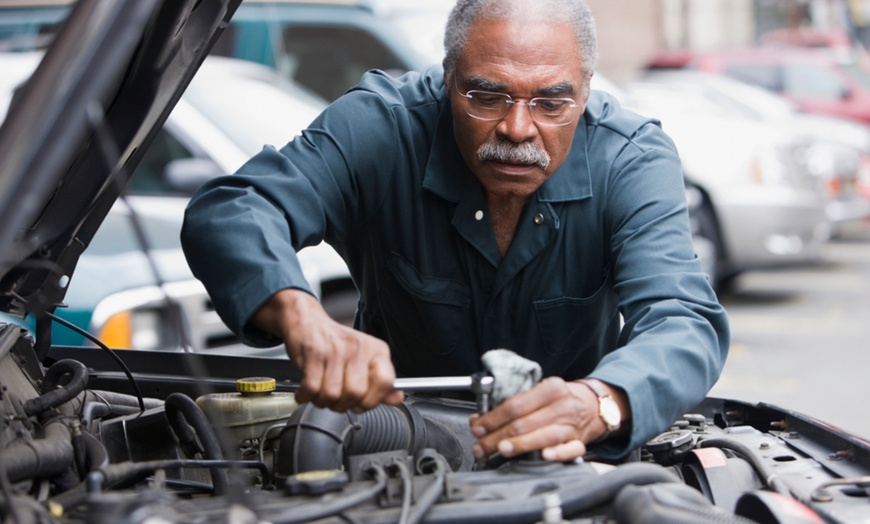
[511, 101]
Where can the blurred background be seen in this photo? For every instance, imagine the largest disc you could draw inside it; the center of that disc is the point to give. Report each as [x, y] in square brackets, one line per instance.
[768, 102]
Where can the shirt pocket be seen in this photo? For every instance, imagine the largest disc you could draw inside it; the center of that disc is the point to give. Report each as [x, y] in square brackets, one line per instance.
[575, 324]
[424, 312]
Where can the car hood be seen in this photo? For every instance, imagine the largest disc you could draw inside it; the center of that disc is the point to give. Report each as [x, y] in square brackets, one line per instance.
[81, 123]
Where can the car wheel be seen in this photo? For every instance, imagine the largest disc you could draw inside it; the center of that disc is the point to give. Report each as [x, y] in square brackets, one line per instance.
[706, 238]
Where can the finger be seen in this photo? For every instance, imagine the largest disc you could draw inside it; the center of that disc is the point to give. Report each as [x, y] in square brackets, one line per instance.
[332, 381]
[355, 382]
[525, 440]
[565, 451]
[381, 376]
[312, 378]
[543, 395]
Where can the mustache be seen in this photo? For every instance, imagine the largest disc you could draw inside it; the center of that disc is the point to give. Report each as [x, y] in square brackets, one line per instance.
[512, 153]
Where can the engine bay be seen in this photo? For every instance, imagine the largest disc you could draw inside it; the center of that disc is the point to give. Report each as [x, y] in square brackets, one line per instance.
[78, 446]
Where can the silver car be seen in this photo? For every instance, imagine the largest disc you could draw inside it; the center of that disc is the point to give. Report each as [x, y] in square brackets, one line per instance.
[754, 199]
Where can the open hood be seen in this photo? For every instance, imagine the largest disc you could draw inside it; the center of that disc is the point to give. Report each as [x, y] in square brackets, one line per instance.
[77, 129]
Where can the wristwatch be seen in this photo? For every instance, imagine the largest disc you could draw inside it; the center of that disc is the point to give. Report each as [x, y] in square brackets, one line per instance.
[608, 409]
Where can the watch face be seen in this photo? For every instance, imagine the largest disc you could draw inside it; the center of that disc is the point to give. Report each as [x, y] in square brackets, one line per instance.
[610, 412]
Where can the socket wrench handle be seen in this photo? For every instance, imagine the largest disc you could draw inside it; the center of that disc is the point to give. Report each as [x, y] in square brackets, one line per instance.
[480, 384]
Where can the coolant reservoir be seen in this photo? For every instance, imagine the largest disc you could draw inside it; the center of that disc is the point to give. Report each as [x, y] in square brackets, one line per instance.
[251, 410]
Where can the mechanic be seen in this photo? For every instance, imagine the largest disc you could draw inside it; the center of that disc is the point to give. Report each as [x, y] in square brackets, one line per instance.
[496, 202]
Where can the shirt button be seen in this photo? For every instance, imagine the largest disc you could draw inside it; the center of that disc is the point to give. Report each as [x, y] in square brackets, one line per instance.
[539, 219]
[478, 215]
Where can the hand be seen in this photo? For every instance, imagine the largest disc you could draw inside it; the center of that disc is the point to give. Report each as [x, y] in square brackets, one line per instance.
[557, 417]
[342, 368]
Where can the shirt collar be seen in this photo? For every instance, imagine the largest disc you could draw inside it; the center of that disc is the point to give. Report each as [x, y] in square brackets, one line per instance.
[448, 176]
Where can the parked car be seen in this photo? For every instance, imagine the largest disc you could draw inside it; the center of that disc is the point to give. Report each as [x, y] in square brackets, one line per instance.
[216, 126]
[323, 45]
[842, 159]
[834, 82]
[753, 202]
[83, 442]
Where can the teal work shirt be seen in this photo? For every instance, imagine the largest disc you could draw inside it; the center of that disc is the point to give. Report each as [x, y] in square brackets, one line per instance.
[600, 278]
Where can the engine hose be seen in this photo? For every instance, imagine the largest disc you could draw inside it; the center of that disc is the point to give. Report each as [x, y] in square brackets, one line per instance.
[576, 497]
[52, 396]
[45, 457]
[95, 451]
[764, 473]
[122, 399]
[184, 414]
[318, 438]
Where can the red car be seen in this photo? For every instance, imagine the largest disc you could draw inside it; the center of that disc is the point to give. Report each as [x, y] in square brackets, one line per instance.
[828, 81]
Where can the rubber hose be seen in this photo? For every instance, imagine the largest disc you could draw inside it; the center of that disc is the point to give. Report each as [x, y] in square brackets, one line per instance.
[577, 497]
[764, 473]
[318, 438]
[45, 457]
[52, 396]
[95, 451]
[183, 414]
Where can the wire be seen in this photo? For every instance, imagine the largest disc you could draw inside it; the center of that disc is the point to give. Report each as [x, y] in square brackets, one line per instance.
[430, 495]
[405, 474]
[320, 509]
[108, 350]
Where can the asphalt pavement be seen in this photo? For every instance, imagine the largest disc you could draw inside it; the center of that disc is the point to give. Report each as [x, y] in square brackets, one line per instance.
[801, 336]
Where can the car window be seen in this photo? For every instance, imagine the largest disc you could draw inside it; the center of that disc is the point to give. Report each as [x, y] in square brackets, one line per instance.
[329, 60]
[116, 234]
[859, 73]
[766, 76]
[29, 28]
[148, 177]
[810, 81]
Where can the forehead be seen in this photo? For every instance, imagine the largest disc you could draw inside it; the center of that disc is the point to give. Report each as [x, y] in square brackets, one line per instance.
[521, 55]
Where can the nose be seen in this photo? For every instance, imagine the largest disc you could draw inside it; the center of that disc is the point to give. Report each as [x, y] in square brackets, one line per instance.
[518, 125]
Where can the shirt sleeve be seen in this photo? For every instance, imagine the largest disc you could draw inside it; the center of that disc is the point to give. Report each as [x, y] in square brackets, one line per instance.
[241, 232]
[675, 337]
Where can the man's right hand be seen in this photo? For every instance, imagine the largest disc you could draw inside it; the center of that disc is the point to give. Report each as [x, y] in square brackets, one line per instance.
[342, 368]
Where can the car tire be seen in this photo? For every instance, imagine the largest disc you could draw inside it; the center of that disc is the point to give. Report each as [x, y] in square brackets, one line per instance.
[707, 239]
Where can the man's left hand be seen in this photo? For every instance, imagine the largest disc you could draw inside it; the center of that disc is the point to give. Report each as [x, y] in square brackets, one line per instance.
[557, 417]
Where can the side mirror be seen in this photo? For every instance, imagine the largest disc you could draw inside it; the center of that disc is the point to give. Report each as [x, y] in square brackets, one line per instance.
[185, 175]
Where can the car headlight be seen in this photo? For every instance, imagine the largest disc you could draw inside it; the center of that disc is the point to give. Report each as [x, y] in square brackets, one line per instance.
[768, 166]
[138, 329]
[138, 319]
[791, 164]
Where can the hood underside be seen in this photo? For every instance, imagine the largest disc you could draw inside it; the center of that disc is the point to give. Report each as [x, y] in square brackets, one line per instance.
[79, 126]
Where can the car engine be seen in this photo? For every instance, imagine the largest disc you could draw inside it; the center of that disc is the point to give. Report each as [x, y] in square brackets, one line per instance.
[78, 447]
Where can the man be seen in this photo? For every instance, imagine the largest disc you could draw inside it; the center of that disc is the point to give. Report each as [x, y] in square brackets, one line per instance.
[498, 204]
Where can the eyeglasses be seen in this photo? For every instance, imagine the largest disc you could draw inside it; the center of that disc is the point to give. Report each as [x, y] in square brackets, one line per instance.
[485, 105]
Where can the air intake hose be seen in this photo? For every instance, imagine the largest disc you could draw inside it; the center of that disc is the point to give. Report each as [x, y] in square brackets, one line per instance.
[320, 439]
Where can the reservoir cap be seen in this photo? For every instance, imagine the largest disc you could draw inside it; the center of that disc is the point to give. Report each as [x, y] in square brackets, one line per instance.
[255, 385]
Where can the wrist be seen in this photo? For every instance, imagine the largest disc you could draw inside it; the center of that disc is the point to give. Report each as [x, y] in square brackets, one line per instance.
[284, 308]
[611, 406]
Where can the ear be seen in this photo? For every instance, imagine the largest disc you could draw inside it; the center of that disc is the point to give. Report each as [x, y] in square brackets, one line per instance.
[587, 87]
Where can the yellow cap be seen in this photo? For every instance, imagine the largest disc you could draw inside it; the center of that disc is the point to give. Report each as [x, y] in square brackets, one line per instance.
[255, 385]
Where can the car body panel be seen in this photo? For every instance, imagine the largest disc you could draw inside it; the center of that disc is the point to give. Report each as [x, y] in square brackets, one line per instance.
[817, 80]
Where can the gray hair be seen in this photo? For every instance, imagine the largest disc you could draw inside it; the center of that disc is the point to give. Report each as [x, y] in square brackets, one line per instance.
[574, 12]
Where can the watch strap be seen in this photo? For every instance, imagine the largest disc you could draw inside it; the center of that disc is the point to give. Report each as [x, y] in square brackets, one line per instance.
[606, 406]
